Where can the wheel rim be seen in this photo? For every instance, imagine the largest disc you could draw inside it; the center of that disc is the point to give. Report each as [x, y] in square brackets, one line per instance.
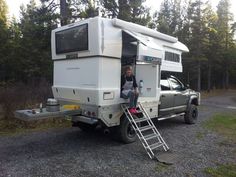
[130, 131]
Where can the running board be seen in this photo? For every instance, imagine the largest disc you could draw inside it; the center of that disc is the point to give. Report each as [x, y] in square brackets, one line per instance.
[172, 116]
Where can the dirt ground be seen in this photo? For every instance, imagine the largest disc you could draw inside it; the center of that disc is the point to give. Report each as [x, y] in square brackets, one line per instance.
[71, 152]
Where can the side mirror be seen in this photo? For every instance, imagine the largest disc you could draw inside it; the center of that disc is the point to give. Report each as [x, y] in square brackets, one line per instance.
[187, 86]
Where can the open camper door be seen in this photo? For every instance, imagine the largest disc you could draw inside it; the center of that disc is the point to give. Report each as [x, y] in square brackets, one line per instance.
[148, 63]
[148, 60]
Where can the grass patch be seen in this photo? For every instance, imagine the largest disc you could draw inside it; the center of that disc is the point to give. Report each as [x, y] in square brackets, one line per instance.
[224, 124]
[11, 128]
[161, 167]
[228, 170]
[200, 135]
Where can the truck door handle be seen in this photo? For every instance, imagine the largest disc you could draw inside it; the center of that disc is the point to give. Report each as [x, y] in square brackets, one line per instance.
[163, 96]
[175, 94]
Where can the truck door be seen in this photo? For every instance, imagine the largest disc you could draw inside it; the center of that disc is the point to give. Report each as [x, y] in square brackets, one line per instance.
[180, 95]
[166, 98]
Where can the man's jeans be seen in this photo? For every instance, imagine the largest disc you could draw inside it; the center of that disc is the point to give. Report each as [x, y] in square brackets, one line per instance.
[133, 98]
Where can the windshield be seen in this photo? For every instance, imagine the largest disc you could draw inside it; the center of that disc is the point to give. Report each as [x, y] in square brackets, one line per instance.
[72, 40]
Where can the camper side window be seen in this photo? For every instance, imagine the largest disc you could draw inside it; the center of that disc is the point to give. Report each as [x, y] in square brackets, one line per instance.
[72, 39]
[169, 56]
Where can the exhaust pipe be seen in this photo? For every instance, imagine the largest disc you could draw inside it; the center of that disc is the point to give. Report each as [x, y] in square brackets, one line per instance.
[106, 131]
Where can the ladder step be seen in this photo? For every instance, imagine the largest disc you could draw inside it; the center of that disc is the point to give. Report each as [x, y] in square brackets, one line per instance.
[147, 127]
[142, 123]
[139, 111]
[156, 145]
[140, 120]
[150, 136]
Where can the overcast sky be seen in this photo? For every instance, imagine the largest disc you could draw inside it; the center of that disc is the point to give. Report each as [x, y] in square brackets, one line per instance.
[14, 5]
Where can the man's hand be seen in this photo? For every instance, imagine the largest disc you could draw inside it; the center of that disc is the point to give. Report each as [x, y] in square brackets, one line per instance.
[136, 91]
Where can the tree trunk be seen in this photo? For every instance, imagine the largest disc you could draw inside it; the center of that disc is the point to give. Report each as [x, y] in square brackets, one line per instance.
[199, 76]
[64, 12]
[227, 78]
[209, 78]
[223, 81]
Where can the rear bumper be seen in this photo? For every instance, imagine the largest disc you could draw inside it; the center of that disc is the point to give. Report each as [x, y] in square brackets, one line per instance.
[84, 119]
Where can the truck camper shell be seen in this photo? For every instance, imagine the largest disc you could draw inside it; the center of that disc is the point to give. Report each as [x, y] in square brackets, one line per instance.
[96, 65]
[89, 56]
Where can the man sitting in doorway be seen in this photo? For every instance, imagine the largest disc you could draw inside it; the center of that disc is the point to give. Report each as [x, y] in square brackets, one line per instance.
[129, 89]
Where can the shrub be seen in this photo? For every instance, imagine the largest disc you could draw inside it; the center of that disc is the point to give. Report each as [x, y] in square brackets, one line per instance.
[23, 96]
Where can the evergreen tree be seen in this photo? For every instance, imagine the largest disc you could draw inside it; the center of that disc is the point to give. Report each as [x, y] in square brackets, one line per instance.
[132, 11]
[3, 38]
[225, 37]
[210, 19]
[82, 9]
[35, 26]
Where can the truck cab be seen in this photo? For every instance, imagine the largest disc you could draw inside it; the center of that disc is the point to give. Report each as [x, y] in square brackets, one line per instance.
[177, 98]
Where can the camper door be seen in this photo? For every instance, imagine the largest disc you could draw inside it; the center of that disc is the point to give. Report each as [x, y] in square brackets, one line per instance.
[148, 70]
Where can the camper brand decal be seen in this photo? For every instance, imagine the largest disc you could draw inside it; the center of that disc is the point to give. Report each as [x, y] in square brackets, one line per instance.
[71, 56]
[150, 59]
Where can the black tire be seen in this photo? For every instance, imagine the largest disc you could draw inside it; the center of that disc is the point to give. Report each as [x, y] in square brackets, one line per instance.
[86, 127]
[191, 115]
[125, 132]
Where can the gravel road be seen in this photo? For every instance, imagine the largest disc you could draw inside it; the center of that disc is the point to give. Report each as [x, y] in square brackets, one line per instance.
[71, 152]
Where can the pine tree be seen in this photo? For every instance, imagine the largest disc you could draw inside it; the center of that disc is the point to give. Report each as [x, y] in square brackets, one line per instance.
[225, 37]
[169, 19]
[35, 44]
[3, 38]
[132, 11]
[210, 19]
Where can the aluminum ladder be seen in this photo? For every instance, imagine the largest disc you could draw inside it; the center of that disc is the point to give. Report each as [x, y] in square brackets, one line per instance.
[145, 129]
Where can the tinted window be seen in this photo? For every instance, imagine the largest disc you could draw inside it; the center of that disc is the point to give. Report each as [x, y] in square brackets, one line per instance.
[165, 85]
[72, 40]
[175, 84]
[169, 56]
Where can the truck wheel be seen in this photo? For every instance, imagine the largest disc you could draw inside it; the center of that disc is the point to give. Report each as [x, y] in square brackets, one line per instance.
[126, 132]
[191, 115]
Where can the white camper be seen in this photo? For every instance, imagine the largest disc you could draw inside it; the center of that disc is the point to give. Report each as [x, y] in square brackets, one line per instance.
[88, 59]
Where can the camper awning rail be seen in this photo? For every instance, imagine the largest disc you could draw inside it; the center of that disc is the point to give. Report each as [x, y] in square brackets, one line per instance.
[143, 30]
[143, 40]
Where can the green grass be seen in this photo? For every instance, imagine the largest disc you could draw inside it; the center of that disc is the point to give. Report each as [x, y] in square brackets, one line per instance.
[14, 127]
[228, 170]
[200, 135]
[224, 123]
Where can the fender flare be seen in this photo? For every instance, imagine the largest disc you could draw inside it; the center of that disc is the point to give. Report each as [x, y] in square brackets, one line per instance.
[191, 98]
